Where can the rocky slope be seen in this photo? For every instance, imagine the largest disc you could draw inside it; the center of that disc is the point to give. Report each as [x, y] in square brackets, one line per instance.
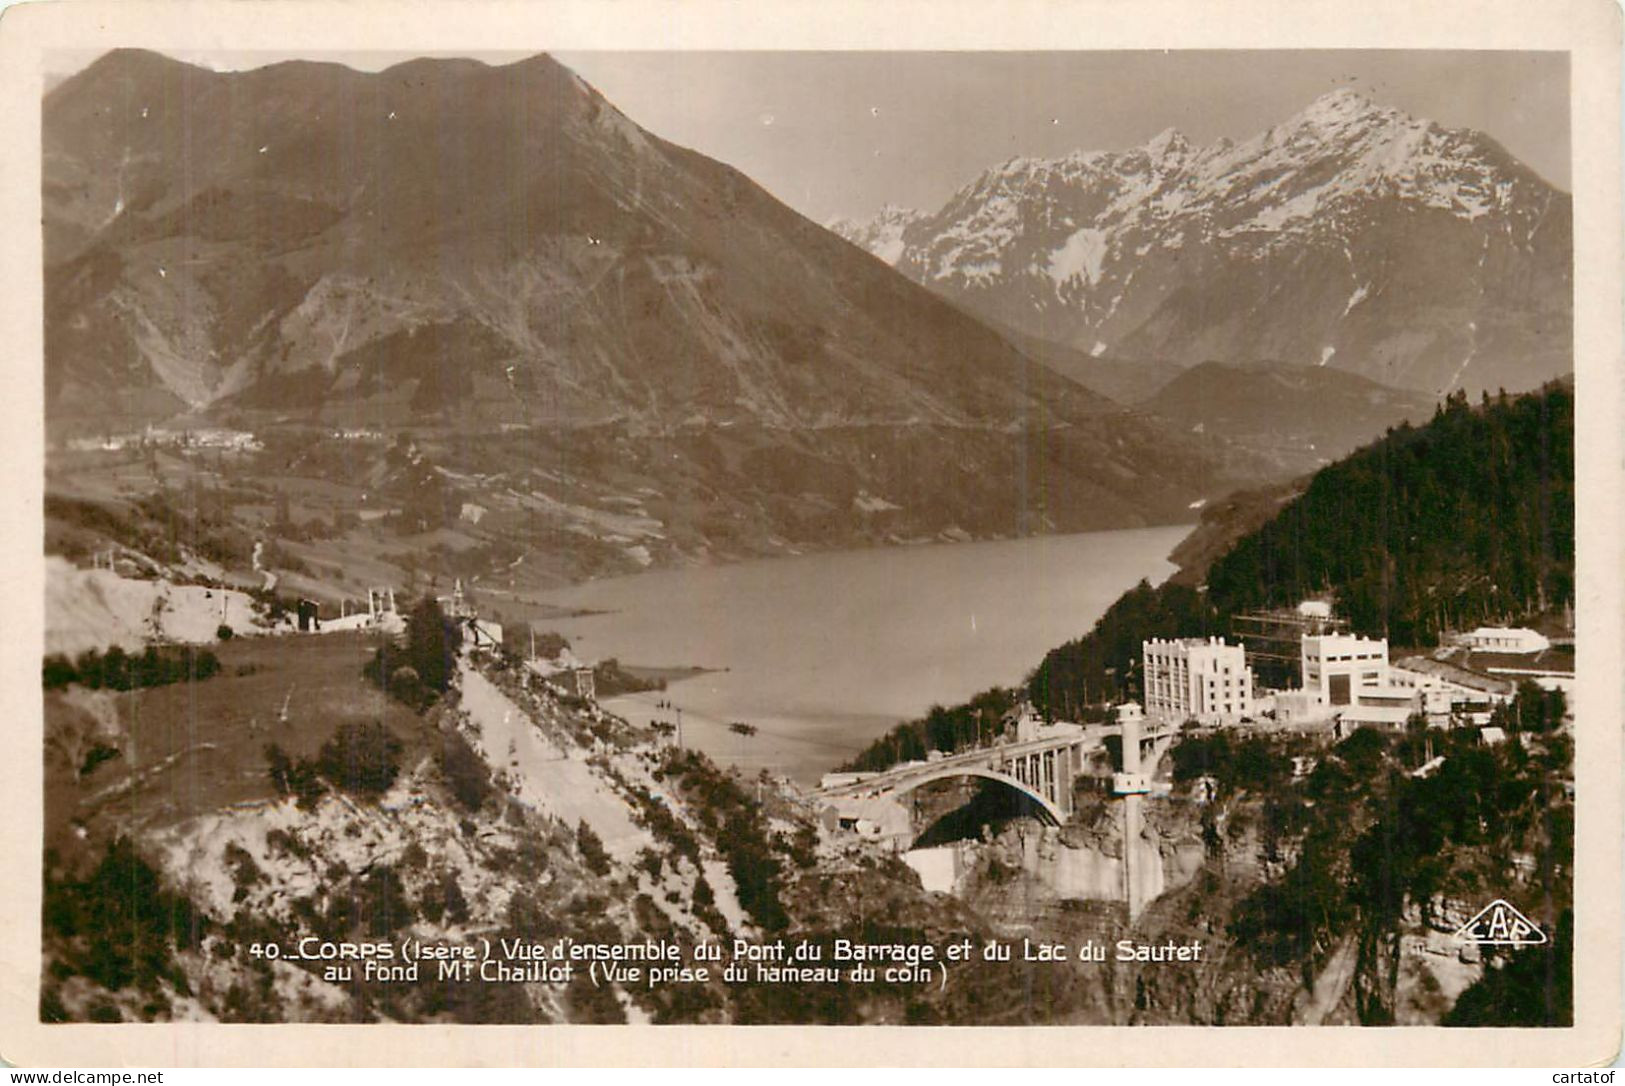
[310, 244]
[1350, 235]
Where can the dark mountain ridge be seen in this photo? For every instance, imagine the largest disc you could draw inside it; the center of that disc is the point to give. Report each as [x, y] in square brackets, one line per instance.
[323, 176]
[1302, 416]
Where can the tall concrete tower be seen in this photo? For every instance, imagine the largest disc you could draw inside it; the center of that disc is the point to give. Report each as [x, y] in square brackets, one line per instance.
[1131, 784]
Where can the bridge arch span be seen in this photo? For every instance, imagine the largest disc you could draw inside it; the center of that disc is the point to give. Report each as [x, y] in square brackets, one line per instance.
[912, 782]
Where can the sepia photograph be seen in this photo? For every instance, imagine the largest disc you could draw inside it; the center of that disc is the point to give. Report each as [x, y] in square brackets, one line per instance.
[994, 537]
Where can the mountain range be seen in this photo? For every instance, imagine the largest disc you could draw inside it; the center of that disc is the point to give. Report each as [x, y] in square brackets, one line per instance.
[1351, 235]
[497, 252]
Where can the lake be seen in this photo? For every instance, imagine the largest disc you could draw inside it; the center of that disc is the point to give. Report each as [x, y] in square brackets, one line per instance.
[823, 653]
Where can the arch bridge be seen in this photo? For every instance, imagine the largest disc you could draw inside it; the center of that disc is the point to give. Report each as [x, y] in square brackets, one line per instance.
[1041, 769]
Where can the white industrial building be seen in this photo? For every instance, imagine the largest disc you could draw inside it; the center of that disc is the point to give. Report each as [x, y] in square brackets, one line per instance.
[1346, 679]
[1196, 678]
[1350, 680]
[1337, 668]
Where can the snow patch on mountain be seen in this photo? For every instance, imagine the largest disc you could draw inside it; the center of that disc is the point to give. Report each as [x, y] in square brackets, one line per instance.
[1082, 255]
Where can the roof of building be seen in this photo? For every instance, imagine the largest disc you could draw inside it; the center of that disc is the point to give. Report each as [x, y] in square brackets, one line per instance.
[1345, 636]
[1504, 632]
[1461, 676]
[1192, 642]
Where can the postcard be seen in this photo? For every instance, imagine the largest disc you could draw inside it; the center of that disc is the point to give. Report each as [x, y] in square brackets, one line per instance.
[937, 533]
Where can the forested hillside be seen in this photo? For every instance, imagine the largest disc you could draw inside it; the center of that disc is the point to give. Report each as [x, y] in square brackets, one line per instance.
[1464, 520]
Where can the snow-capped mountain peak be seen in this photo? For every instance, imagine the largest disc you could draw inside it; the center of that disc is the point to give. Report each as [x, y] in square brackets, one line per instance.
[1338, 107]
[1110, 251]
[881, 235]
[1170, 141]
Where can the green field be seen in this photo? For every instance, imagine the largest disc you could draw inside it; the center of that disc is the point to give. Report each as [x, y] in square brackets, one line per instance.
[190, 748]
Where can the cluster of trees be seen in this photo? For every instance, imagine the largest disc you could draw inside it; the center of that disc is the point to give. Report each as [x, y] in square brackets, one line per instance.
[119, 926]
[361, 757]
[421, 668]
[1533, 710]
[610, 680]
[971, 724]
[1254, 763]
[116, 669]
[1371, 839]
[590, 847]
[289, 777]
[1534, 987]
[375, 905]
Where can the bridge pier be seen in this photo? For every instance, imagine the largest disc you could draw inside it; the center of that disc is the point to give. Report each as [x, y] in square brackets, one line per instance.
[1131, 784]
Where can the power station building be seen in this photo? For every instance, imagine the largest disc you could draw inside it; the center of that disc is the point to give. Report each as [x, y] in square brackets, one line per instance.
[1195, 678]
[1339, 668]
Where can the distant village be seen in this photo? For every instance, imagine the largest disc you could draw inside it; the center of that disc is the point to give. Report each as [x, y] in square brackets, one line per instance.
[157, 437]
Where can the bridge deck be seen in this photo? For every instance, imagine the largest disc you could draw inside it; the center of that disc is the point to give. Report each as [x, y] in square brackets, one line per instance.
[984, 757]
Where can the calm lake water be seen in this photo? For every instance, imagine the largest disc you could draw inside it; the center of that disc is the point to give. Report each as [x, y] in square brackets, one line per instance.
[823, 653]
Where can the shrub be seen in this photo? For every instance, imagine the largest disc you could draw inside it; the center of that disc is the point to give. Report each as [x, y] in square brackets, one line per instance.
[291, 778]
[465, 771]
[651, 862]
[405, 685]
[245, 872]
[97, 754]
[456, 903]
[280, 767]
[224, 632]
[121, 924]
[376, 904]
[58, 672]
[591, 849]
[432, 641]
[361, 757]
